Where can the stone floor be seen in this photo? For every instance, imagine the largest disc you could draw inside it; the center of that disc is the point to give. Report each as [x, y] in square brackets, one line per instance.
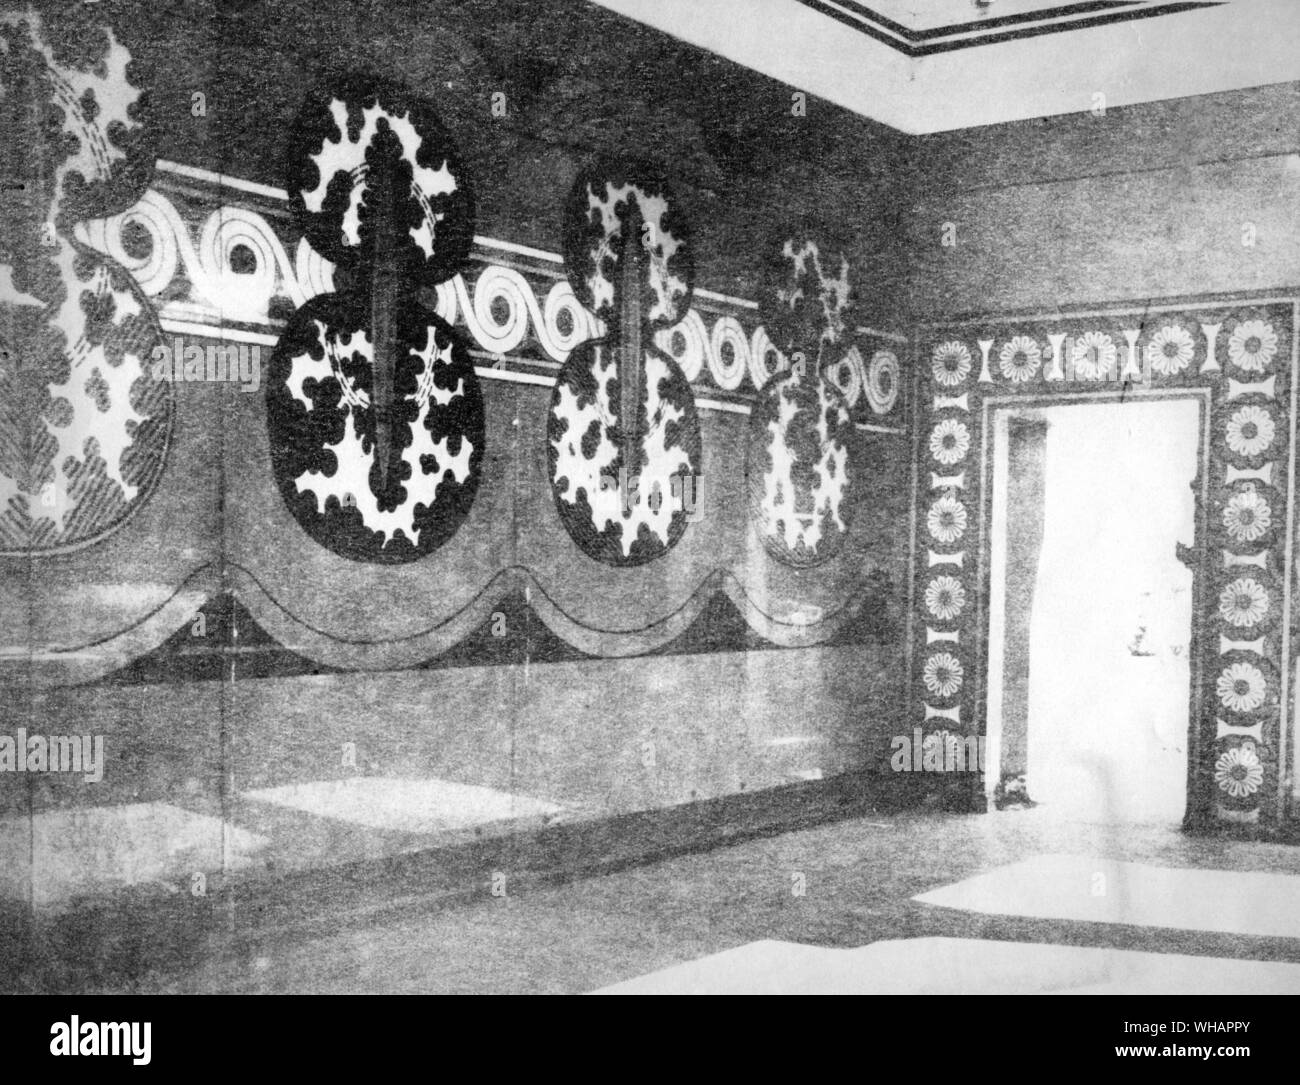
[847, 884]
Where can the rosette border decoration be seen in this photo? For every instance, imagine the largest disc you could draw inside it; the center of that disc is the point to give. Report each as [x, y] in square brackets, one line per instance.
[1239, 357]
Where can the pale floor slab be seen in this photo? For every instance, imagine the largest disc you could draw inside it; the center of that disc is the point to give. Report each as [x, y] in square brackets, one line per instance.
[959, 966]
[1077, 887]
[405, 805]
[54, 857]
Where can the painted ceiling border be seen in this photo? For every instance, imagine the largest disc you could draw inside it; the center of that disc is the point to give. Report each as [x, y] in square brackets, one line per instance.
[918, 43]
[1019, 76]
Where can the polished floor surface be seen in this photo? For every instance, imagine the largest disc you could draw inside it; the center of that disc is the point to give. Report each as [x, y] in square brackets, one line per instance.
[850, 885]
[1096, 890]
[960, 966]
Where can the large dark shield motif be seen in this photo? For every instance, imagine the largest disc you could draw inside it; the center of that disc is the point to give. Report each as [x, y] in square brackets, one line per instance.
[800, 434]
[84, 427]
[623, 437]
[374, 408]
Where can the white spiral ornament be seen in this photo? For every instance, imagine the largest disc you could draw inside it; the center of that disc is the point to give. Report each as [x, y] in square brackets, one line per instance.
[687, 342]
[494, 285]
[157, 268]
[500, 308]
[561, 301]
[765, 361]
[728, 375]
[244, 295]
[848, 375]
[882, 381]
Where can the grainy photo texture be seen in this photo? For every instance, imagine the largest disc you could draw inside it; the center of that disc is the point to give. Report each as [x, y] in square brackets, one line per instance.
[649, 496]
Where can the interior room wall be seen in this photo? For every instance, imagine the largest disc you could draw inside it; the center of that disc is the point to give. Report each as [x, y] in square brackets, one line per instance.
[1149, 201]
[1195, 196]
[1169, 198]
[200, 719]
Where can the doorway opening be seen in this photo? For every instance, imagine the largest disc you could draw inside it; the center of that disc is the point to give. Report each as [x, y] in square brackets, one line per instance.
[1090, 608]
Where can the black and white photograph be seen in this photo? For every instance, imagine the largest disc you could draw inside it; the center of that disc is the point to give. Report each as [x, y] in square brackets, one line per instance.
[650, 497]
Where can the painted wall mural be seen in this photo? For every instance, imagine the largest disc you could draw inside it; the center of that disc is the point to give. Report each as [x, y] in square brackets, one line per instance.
[218, 253]
[374, 408]
[223, 261]
[624, 438]
[800, 432]
[1240, 355]
[381, 318]
[84, 427]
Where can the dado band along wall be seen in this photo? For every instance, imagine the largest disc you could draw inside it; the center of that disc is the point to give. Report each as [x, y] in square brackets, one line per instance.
[207, 632]
[220, 648]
